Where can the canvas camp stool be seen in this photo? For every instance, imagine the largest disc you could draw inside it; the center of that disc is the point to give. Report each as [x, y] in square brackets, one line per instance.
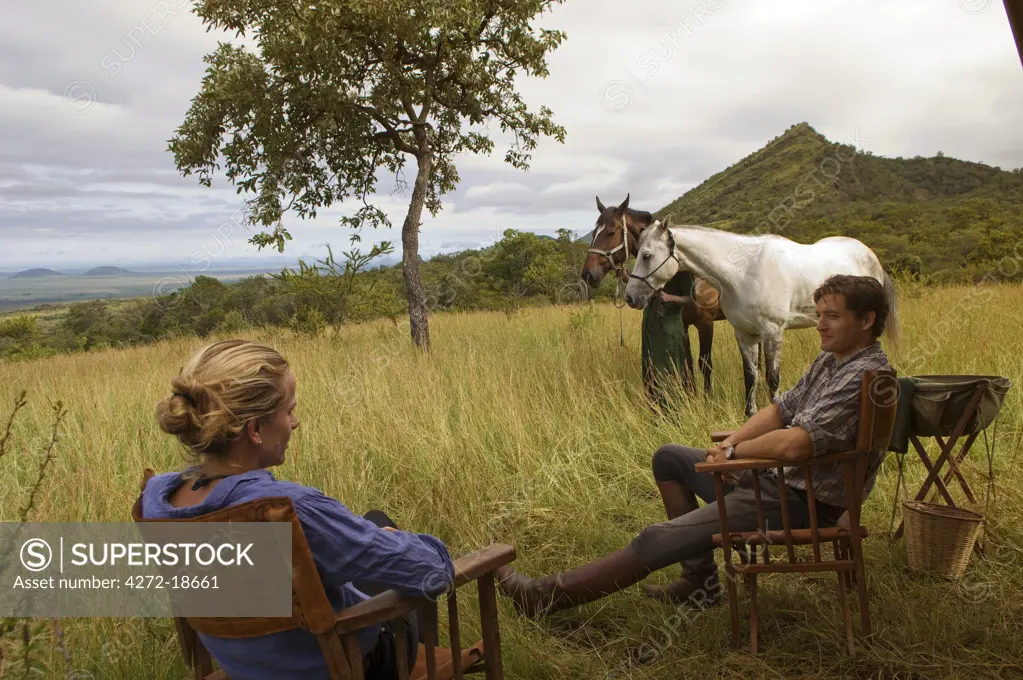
[945, 407]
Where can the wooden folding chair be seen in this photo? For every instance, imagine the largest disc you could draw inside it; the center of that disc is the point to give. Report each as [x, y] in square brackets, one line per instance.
[337, 633]
[877, 417]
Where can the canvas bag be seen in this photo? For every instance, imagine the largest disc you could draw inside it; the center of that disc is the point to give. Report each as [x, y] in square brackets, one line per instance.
[939, 401]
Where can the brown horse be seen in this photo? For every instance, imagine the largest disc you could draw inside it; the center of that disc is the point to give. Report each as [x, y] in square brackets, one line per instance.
[616, 237]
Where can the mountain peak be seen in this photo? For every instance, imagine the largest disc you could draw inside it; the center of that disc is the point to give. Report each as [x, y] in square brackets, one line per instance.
[107, 270]
[908, 210]
[803, 128]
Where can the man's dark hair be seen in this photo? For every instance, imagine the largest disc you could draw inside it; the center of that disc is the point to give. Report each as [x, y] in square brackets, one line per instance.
[862, 294]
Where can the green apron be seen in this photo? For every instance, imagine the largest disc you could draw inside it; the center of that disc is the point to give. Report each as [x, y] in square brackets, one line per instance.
[665, 346]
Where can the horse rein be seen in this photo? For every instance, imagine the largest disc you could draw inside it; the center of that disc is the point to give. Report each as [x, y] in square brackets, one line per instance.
[618, 269]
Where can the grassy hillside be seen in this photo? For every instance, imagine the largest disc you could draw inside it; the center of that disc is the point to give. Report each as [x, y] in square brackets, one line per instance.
[940, 217]
[531, 429]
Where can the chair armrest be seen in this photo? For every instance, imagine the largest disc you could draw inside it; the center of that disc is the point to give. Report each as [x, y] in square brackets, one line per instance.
[721, 435]
[765, 463]
[391, 604]
[739, 465]
[470, 567]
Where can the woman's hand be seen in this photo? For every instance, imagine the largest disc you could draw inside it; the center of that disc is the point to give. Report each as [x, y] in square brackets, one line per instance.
[388, 528]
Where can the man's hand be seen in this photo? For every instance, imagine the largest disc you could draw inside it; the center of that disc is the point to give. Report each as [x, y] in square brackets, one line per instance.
[717, 455]
[722, 445]
[388, 528]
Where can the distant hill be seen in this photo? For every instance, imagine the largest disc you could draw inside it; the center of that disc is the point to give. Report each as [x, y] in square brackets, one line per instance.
[35, 273]
[942, 217]
[106, 271]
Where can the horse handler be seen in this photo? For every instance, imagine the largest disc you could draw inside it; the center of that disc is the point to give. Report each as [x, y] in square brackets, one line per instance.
[664, 349]
[818, 416]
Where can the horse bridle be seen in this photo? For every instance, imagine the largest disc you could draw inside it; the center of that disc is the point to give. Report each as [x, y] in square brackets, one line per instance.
[618, 269]
[671, 256]
[609, 254]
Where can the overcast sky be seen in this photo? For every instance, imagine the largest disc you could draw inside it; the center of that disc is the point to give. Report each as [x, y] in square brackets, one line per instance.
[656, 96]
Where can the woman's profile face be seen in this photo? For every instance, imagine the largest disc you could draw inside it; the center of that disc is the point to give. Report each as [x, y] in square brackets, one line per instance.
[275, 429]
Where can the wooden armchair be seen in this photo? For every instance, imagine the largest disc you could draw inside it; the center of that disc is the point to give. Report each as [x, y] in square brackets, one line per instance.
[878, 402]
[336, 633]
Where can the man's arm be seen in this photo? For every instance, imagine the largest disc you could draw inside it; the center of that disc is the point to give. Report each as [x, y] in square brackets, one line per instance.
[829, 424]
[776, 416]
[771, 420]
[763, 436]
[788, 445]
[761, 422]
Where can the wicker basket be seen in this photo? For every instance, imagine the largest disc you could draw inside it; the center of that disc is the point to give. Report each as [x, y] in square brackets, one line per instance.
[940, 538]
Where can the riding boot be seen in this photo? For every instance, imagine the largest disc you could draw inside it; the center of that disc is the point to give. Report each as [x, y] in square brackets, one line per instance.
[694, 590]
[686, 589]
[677, 501]
[589, 582]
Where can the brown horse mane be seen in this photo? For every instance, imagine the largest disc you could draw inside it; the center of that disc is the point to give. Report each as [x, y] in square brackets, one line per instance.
[643, 217]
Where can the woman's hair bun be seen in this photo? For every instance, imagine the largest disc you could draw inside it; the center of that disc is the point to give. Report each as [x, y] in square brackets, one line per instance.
[178, 414]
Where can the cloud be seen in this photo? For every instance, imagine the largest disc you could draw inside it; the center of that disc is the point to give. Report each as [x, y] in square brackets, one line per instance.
[655, 96]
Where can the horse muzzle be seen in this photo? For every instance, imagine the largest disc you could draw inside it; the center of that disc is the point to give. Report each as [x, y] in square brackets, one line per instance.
[636, 301]
[593, 276]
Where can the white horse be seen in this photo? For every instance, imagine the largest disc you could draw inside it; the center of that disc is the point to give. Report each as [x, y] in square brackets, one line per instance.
[766, 283]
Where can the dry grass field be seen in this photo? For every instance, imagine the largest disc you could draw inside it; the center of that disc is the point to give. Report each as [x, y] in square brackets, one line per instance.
[531, 429]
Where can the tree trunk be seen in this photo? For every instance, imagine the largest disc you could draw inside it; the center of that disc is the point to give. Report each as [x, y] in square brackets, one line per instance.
[418, 313]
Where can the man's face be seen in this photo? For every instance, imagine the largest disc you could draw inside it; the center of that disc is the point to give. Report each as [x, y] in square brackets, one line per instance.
[839, 328]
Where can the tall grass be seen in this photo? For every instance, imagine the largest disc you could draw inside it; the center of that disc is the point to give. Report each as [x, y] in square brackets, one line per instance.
[532, 429]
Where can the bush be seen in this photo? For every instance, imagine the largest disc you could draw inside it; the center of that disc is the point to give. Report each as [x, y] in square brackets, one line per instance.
[309, 321]
[22, 328]
[232, 323]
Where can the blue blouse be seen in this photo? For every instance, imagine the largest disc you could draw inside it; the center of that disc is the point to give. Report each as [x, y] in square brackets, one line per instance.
[345, 546]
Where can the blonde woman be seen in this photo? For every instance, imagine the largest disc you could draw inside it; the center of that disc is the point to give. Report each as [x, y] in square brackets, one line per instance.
[233, 408]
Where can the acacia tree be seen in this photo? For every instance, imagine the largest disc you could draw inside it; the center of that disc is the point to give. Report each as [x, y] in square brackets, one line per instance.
[342, 90]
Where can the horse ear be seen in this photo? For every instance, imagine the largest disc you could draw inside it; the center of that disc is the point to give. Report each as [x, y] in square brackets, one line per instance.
[666, 223]
[600, 206]
[624, 206]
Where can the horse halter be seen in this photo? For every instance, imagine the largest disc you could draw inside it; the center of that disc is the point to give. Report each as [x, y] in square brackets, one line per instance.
[671, 256]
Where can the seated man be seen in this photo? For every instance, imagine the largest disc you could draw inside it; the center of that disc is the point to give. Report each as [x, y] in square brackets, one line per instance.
[819, 416]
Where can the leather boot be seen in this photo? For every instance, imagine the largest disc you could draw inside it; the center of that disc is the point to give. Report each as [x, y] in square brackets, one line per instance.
[693, 590]
[592, 581]
[677, 501]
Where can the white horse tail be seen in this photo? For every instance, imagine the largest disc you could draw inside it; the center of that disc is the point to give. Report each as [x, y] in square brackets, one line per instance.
[892, 327]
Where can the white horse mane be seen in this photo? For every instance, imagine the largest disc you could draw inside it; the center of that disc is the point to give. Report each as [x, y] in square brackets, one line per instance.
[712, 230]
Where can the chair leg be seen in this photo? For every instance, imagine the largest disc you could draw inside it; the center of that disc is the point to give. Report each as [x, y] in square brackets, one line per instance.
[733, 603]
[838, 556]
[850, 576]
[751, 558]
[843, 599]
[753, 613]
[861, 586]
